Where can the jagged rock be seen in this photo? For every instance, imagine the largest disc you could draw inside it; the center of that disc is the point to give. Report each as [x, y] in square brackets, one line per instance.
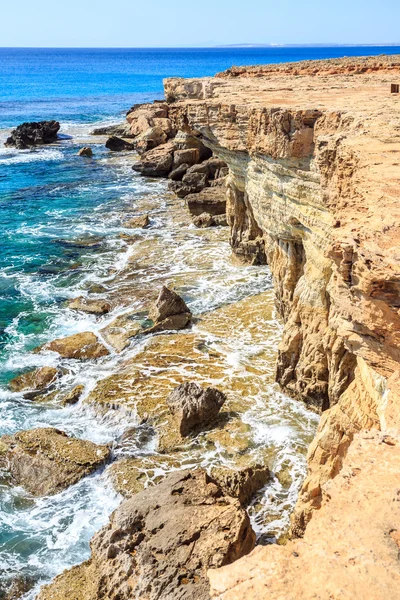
[82, 346]
[86, 151]
[184, 139]
[73, 396]
[33, 134]
[243, 483]
[209, 200]
[45, 461]
[139, 222]
[16, 588]
[116, 144]
[93, 307]
[169, 312]
[188, 156]
[192, 183]
[193, 407]
[151, 138]
[160, 544]
[157, 162]
[37, 381]
[178, 173]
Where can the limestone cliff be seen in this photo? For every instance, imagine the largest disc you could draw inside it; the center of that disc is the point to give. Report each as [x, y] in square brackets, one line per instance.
[313, 189]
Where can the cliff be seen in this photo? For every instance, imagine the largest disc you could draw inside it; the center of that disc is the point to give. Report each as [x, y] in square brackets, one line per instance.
[313, 189]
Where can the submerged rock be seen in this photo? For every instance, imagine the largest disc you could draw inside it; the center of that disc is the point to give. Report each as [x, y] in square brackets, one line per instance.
[160, 544]
[38, 381]
[33, 134]
[93, 307]
[169, 312]
[45, 461]
[116, 144]
[16, 588]
[242, 483]
[86, 151]
[194, 407]
[82, 346]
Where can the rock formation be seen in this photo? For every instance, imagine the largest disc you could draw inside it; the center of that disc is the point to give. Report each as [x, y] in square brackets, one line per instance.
[169, 312]
[46, 461]
[86, 151]
[313, 190]
[93, 307]
[194, 407]
[160, 543]
[28, 135]
[35, 382]
[117, 144]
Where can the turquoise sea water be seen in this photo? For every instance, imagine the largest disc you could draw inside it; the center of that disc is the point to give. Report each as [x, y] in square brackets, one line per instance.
[50, 195]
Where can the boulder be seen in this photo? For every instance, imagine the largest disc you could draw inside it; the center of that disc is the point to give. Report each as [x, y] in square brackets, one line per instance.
[28, 135]
[120, 130]
[93, 307]
[149, 139]
[45, 461]
[210, 167]
[117, 144]
[185, 140]
[192, 183]
[86, 151]
[160, 544]
[178, 173]
[207, 220]
[168, 304]
[194, 407]
[209, 200]
[243, 483]
[81, 346]
[157, 162]
[37, 381]
[138, 222]
[189, 156]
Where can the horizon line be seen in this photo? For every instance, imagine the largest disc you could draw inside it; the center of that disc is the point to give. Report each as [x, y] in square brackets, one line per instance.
[209, 46]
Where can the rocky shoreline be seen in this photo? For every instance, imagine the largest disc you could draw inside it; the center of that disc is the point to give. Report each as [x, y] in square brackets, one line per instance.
[297, 174]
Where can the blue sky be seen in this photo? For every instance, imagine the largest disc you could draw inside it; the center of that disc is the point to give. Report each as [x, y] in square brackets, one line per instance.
[162, 23]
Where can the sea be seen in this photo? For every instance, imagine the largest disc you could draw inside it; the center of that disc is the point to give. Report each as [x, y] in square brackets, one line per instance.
[49, 198]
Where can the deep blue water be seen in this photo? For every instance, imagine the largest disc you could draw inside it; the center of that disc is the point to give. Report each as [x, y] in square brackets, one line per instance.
[51, 194]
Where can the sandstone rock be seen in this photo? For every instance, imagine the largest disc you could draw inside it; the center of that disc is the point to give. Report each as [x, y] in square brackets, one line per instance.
[169, 312]
[204, 220]
[194, 407]
[93, 307]
[116, 144]
[46, 461]
[119, 332]
[209, 200]
[192, 183]
[210, 167]
[37, 381]
[130, 476]
[149, 139]
[16, 588]
[86, 151]
[119, 130]
[33, 134]
[178, 173]
[243, 483]
[73, 396]
[160, 543]
[157, 162]
[188, 156]
[141, 221]
[82, 346]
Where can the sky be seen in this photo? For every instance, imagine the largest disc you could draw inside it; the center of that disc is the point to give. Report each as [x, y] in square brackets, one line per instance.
[187, 23]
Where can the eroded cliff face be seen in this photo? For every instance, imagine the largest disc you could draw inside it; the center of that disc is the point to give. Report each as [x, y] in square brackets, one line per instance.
[313, 190]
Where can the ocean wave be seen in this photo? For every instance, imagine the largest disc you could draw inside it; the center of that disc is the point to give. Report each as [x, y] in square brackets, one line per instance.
[12, 157]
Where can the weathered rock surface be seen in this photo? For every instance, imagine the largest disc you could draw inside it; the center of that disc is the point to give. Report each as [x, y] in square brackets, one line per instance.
[160, 543]
[117, 144]
[242, 483]
[32, 134]
[86, 151]
[157, 162]
[193, 407]
[93, 307]
[119, 130]
[73, 396]
[36, 381]
[81, 346]
[46, 461]
[351, 546]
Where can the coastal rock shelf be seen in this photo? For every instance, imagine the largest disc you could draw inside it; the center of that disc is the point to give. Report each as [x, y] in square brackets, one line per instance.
[312, 150]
